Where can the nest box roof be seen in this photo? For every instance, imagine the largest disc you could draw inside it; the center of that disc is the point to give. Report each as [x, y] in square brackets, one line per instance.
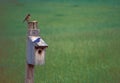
[37, 40]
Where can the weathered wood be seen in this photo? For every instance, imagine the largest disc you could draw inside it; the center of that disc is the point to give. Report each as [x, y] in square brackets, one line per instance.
[29, 73]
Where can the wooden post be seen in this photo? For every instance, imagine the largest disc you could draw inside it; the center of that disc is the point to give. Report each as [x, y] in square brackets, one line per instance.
[29, 73]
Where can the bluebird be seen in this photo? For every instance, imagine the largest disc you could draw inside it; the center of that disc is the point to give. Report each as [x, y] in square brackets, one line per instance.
[27, 18]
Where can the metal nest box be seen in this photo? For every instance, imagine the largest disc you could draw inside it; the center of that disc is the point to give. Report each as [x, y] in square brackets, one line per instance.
[36, 46]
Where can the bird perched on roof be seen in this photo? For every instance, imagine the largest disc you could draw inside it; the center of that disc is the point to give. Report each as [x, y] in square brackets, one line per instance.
[27, 18]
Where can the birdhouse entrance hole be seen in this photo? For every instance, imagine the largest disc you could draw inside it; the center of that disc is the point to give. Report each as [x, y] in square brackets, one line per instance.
[39, 51]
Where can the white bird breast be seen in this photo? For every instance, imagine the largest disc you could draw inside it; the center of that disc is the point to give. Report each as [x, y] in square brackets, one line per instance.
[39, 56]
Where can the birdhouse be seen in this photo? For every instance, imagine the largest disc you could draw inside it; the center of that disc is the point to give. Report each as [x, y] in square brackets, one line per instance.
[36, 46]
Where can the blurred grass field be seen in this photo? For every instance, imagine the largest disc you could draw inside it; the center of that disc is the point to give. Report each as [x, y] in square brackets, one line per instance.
[83, 39]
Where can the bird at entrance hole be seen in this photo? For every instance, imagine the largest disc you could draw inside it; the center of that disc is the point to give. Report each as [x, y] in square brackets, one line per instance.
[27, 18]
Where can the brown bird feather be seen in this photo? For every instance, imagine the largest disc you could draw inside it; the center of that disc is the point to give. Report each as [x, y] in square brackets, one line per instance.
[27, 18]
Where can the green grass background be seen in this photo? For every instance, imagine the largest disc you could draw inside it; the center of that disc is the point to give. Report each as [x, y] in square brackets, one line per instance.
[83, 38]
